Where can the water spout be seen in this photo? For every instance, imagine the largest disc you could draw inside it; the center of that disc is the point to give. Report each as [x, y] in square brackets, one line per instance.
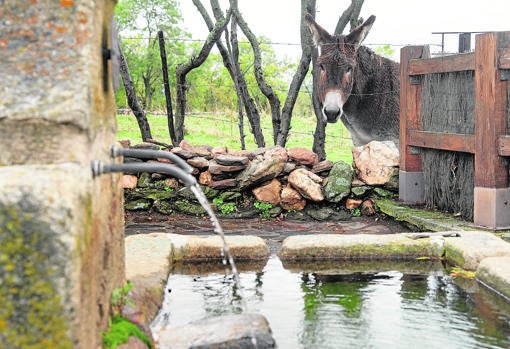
[152, 154]
[99, 168]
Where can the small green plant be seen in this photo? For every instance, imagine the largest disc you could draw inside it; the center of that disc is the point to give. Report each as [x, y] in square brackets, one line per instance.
[119, 298]
[264, 208]
[119, 332]
[168, 189]
[224, 207]
[355, 212]
[120, 328]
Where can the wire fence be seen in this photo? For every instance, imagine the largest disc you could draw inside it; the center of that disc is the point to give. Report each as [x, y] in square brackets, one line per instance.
[211, 116]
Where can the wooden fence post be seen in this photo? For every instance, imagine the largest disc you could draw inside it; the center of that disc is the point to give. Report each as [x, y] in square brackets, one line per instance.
[492, 192]
[411, 183]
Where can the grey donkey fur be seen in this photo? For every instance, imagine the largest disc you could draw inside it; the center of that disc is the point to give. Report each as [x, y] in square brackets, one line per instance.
[356, 85]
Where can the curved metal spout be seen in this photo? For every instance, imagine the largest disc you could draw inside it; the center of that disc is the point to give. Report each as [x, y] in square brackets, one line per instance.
[152, 154]
[99, 168]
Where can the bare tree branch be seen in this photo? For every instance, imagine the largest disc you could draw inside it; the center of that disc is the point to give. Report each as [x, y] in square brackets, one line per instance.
[299, 76]
[133, 103]
[267, 90]
[183, 69]
[351, 15]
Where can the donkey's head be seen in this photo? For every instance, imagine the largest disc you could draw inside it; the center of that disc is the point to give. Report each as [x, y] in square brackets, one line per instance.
[337, 65]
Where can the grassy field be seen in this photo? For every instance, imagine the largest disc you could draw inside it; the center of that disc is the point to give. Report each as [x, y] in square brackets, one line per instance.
[222, 130]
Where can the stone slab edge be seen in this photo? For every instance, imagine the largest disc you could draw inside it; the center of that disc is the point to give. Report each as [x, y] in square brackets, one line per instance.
[493, 272]
[473, 247]
[366, 246]
[423, 220]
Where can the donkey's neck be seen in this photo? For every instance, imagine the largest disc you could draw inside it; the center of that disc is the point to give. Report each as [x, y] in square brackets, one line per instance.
[371, 111]
[375, 75]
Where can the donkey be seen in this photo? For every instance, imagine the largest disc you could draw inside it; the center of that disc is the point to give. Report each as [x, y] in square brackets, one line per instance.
[357, 86]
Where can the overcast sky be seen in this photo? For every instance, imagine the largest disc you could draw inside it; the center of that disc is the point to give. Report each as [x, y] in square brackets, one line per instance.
[398, 22]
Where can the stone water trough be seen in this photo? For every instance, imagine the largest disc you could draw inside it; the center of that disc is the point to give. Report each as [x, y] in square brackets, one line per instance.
[149, 257]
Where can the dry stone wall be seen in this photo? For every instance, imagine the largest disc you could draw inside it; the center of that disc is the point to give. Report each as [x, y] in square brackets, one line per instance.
[265, 181]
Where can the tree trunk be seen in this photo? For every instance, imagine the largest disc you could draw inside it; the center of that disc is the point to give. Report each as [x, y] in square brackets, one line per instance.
[228, 59]
[251, 109]
[350, 15]
[299, 76]
[185, 68]
[168, 97]
[274, 101]
[133, 103]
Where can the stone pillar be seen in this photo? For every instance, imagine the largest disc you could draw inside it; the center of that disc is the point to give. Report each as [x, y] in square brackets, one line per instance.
[61, 231]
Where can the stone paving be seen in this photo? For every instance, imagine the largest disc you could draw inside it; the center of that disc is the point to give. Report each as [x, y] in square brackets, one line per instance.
[273, 231]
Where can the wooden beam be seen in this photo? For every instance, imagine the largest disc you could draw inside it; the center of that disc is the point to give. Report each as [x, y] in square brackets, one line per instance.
[410, 108]
[444, 141]
[504, 145]
[445, 64]
[491, 113]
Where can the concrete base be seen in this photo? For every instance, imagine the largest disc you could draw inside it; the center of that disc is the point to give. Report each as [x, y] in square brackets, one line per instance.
[492, 207]
[411, 187]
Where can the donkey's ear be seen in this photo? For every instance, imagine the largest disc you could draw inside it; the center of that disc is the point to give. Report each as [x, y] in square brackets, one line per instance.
[359, 33]
[319, 34]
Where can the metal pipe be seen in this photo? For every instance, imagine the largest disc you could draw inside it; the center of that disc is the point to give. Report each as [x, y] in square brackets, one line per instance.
[151, 154]
[99, 168]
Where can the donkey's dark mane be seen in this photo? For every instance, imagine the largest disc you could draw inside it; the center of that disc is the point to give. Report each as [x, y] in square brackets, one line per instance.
[373, 105]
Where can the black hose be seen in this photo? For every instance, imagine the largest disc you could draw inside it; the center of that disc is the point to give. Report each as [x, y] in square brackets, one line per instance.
[152, 154]
[99, 168]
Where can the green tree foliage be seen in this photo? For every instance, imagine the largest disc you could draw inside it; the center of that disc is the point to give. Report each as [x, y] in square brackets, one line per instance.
[139, 22]
[385, 51]
[210, 88]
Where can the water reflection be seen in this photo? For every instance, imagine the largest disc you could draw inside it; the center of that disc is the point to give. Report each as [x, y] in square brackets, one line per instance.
[333, 307]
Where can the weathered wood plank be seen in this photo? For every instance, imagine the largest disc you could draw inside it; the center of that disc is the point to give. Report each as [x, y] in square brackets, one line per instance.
[444, 141]
[504, 145]
[410, 109]
[460, 62]
[490, 113]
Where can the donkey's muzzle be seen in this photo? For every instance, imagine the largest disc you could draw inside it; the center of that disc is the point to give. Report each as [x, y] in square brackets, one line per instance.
[331, 113]
[332, 106]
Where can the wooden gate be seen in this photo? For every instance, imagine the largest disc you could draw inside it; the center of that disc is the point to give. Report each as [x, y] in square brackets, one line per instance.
[490, 143]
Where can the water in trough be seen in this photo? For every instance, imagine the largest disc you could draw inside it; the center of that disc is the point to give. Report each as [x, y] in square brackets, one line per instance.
[400, 307]
[341, 305]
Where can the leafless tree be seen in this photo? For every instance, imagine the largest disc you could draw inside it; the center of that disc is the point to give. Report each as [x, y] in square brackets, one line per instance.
[133, 102]
[281, 117]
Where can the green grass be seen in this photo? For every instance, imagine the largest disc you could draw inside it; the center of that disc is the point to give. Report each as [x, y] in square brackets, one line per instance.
[223, 130]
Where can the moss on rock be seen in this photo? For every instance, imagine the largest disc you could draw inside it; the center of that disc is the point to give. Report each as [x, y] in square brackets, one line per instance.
[31, 272]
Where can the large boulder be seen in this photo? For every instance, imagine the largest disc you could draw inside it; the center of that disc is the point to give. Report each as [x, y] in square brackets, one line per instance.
[307, 183]
[303, 156]
[376, 162]
[260, 171]
[339, 182]
[291, 199]
[269, 192]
